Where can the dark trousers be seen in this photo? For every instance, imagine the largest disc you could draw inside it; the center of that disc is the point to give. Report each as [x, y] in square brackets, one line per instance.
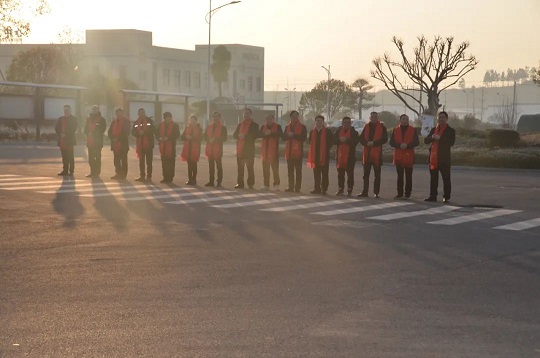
[167, 166]
[377, 183]
[146, 157]
[266, 171]
[68, 160]
[320, 174]
[94, 160]
[408, 180]
[350, 177]
[212, 164]
[249, 163]
[447, 186]
[121, 163]
[192, 171]
[295, 166]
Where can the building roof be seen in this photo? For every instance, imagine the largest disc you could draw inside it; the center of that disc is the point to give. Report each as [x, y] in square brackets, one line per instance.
[41, 85]
[177, 94]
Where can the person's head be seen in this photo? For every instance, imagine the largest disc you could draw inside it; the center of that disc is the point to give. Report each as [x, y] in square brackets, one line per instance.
[295, 116]
[442, 118]
[95, 109]
[167, 116]
[119, 112]
[319, 121]
[346, 122]
[404, 120]
[247, 113]
[141, 112]
[270, 119]
[374, 117]
[192, 119]
[216, 116]
[67, 110]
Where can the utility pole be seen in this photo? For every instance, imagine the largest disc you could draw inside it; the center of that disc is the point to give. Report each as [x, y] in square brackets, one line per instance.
[514, 114]
[482, 109]
[328, 93]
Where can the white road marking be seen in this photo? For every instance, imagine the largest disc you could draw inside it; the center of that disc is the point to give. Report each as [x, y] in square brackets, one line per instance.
[361, 209]
[521, 225]
[409, 214]
[261, 202]
[474, 217]
[217, 198]
[6, 180]
[172, 195]
[311, 205]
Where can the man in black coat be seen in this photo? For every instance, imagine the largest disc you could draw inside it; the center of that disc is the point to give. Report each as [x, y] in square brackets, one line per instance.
[119, 135]
[320, 142]
[143, 130]
[441, 138]
[245, 134]
[294, 135]
[167, 134]
[94, 130]
[372, 138]
[65, 129]
[346, 139]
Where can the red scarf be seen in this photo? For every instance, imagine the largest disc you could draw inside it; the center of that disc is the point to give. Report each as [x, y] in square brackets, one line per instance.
[404, 157]
[434, 150]
[143, 142]
[244, 128]
[313, 145]
[343, 149]
[191, 151]
[269, 145]
[118, 127]
[293, 147]
[214, 149]
[166, 147]
[63, 125]
[372, 154]
[90, 140]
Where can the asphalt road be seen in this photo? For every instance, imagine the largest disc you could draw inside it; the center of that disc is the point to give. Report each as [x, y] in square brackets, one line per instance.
[97, 269]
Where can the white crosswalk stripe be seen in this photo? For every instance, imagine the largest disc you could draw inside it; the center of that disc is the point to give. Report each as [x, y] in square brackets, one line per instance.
[261, 202]
[311, 205]
[109, 187]
[410, 214]
[361, 209]
[133, 190]
[11, 184]
[8, 175]
[173, 195]
[474, 217]
[521, 225]
[217, 198]
[14, 179]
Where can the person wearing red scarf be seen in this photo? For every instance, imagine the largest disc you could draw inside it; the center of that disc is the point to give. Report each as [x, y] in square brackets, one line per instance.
[346, 138]
[372, 138]
[270, 133]
[143, 130]
[403, 139]
[167, 134]
[441, 139]
[191, 150]
[245, 134]
[119, 135]
[295, 135]
[65, 129]
[94, 130]
[320, 142]
[215, 135]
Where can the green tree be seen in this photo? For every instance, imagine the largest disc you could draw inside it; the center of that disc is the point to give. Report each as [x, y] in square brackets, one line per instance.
[433, 67]
[363, 88]
[220, 66]
[389, 118]
[105, 90]
[15, 17]
[341, 97]
[535, 75]
[45, 64]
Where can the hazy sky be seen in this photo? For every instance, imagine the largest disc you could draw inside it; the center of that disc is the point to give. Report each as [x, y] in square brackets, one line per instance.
[301, 35]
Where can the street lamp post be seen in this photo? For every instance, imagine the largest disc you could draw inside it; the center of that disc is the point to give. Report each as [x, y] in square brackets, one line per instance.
[208, 88]
[328, 92]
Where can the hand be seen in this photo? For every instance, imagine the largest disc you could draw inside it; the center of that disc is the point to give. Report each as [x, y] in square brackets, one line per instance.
[165, 138]
[62, 135]
[241, 136]
[343, 139]
[436, 137]
[291, 134]
[267, 132]
[188, 137]
[212, 140]
[370, 144]
[403, 146]
[141, 132]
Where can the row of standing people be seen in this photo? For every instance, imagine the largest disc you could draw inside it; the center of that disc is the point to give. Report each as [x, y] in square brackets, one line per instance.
[373, 136]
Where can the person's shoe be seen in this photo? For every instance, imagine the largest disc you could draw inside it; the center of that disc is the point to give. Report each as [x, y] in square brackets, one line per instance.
[89, 175]
[376, 196]
[407, 196]
[430, 199]
[250, 187]
[276, 188]
[239, 186]
[296, 190]
[340, 192]
[399, 196]
[289, 190]
[265, 188]
[218, 184]
[163, 181]
[315, 191]
[445, 200]
[323, 192]
[115, 177]
[140, 178]
[349, 192]
[189, 182]
[148, 178]
[62, 173]
[362, 195]
[210, 183]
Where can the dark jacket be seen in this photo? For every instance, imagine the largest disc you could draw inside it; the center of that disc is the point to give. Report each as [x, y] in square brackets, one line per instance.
[447, 140]
[352, 142]
[278, 134]
[124, 135]
[71, 128]
[302, 137]
[173, 137]
[98, 132]
[329, 144]
[414, 143]
[220, 140]
[249, 140]
[148, 131]
[199, 139]
[371, 134]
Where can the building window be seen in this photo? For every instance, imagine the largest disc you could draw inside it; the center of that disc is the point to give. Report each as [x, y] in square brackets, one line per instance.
[178, 78]
[166, 77]
[187, 79]
[197, 80]
[259, 84]
[242, 84]
[142, 75]
[250, 84]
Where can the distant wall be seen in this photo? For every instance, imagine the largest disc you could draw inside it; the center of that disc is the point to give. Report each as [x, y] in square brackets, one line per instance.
[529, 123]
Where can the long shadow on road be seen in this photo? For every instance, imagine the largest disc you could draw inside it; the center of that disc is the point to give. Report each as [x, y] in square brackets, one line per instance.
[108, 206]
[68, 204]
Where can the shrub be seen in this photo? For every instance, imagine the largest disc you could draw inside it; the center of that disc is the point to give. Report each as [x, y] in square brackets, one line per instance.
[503, 138]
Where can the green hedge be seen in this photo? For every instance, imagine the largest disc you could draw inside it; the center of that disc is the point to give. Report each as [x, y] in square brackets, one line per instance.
[503, 138]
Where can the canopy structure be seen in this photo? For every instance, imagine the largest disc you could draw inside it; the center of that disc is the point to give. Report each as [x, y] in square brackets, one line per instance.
[158, 105]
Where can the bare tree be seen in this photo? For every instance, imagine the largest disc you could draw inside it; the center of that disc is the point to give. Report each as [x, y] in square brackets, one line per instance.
[506, 114]
[15, 16]
[433, 68]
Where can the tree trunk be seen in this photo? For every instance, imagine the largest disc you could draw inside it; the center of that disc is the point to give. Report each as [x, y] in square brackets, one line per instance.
[433, 102]
[360, 102]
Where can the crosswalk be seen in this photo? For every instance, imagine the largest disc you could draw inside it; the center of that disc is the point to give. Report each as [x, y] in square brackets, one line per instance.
[316, 206]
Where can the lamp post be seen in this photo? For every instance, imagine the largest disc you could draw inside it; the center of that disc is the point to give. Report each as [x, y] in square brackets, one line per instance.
[328, 92]
[208, 88]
